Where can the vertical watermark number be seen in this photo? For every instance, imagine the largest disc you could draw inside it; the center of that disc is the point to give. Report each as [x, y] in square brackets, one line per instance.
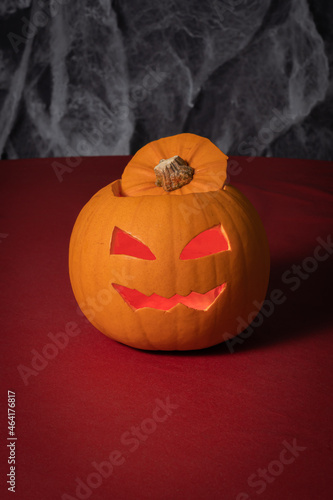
[11, 445]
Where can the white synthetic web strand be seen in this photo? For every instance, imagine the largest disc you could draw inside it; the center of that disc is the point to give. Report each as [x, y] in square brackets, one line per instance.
[280, 77]
[81, 49]
[190, 41]
[97, 71]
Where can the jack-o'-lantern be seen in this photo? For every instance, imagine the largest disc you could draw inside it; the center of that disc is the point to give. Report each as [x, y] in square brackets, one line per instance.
[170, 256]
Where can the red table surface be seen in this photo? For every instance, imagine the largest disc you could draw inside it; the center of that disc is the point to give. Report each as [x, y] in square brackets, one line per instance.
[211, 424]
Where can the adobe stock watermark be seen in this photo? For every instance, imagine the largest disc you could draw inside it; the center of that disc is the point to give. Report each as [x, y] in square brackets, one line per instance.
[139, 92]
[40, 17]
[120, 112]
[280, 121]
[259, 480]
[95, 304]
[59, 341]
[40, 359]
[253, 147]
[293, 277]
[130, 441]
[198, 203]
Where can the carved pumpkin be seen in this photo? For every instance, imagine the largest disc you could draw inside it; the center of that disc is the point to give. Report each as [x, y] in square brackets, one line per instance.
[169, 256]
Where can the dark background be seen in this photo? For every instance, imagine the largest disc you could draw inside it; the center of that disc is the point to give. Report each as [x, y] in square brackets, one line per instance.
[105, 77]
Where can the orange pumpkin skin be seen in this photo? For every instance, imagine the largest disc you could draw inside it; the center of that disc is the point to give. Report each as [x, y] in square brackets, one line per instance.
[166, 224]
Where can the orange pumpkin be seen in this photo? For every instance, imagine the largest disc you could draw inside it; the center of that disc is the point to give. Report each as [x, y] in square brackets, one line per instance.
[170, 266]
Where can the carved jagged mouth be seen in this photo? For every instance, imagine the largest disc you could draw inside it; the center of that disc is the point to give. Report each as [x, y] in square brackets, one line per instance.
[194, 300]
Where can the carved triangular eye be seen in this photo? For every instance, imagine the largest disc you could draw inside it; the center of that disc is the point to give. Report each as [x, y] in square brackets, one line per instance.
[123, 243]
[208, 242]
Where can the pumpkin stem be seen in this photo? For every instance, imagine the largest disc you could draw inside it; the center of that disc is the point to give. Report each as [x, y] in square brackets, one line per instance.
[173, 173]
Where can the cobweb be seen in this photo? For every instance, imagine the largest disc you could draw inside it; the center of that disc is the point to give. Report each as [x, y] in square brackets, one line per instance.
[106, 77]
[67, 93]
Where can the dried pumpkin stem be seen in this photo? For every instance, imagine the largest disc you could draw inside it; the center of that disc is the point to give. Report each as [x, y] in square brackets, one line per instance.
[173, 173]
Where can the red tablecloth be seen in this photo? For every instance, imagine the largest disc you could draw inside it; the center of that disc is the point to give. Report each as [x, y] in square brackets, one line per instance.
[97, 419]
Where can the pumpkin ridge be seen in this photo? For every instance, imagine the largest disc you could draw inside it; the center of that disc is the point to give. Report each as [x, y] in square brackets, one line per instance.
[252, 221]
[246, 206]
[242, 251]
[216, 210]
